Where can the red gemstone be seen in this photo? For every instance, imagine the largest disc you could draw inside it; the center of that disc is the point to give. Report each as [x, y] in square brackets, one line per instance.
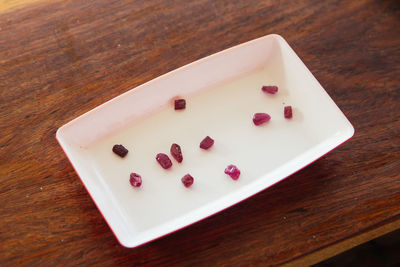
[270, 89]
[164, 160]
[260, 118]
[176, 152]
[180, 104]
[135, 180]
[187, 180]
[206, 143]
[288, 112]
[232, 171]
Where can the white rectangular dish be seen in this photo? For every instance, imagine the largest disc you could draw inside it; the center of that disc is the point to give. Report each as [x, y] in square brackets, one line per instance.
[222, 92]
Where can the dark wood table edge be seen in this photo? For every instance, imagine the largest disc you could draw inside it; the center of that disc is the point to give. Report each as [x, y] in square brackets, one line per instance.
[335, 248]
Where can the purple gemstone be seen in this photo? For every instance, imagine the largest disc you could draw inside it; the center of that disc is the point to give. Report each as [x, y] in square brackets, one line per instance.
[135, 180]
[187, 180]
[270, 89]
[232, 171]
[260, 118]
[176, 152]
[288, 112]
[180, 104]
[120, 150]
[207, 143]
[164, 160]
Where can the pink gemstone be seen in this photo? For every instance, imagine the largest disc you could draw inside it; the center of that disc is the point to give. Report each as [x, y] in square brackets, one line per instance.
[270, 89]
[260, 118]
[176, 152]
[180, 104]
[187, 180]
[206, 143]
[288, 112]
[232, 171]
[135, 180]
[164, 160]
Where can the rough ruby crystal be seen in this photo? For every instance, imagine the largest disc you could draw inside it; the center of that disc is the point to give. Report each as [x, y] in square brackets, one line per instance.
[187, 180]
[176, 152]
[206, 143]
[180, 104]
[288, 112]
[232, 171]
[135, 179]
[120, 150]
[260, 118]
[270, 89]
[164, 160]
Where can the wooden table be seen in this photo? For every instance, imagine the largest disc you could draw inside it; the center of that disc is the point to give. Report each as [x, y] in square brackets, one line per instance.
[59, 59]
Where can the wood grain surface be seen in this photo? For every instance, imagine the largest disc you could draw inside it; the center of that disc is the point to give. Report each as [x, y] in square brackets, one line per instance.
[59, 59]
